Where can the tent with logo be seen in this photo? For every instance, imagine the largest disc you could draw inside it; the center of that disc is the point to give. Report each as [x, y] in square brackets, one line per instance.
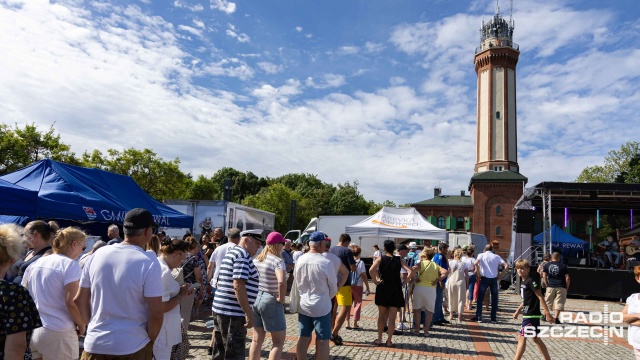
[75, 193]
[397, 223]
[16, 200]
[561, 241]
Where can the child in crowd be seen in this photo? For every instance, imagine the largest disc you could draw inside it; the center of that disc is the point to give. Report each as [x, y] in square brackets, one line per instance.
[530, 307]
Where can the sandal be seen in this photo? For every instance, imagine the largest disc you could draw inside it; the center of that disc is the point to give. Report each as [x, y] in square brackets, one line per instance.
[356, 328]
[390, 345]
[375, 343]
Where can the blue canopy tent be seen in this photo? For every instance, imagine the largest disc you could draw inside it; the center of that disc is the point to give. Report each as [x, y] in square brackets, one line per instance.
[75, 193]
[16, 200]
[563, 242]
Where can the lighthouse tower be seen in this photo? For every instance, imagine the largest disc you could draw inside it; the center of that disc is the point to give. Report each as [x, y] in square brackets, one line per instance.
[495, 63]
[497, 183]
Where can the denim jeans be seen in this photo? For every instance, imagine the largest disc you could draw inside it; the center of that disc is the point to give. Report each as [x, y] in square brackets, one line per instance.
[492, 285]
[438, 314]
[472, 285]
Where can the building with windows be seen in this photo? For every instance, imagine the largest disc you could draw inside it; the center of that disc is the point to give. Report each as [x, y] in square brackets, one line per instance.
[496, 184]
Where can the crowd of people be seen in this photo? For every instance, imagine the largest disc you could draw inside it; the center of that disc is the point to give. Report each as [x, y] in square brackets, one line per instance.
[134, 297]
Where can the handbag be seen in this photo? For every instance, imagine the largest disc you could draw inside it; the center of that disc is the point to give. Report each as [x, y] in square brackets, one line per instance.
[178, 275]
[294, 299]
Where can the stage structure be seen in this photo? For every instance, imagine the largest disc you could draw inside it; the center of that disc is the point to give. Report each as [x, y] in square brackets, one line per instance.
[578, 208]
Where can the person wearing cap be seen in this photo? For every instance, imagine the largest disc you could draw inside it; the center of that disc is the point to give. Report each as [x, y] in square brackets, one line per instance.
[268, 309]
[213, 270]
[121, 293]
[315, 277]
[236, 292]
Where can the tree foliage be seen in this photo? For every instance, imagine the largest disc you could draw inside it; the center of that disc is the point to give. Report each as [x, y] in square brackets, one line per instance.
[163, 179]
[159, 178]
[20, 147]
[621, 166]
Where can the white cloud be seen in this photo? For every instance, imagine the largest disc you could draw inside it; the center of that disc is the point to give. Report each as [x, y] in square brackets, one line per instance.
[397, 80]
[326, 81]
[298, 28]
[360, 72]
[372, 47]
[185, 5]
[348, 50]
[270, 68]
[308, 36]
[231, 67]
[223, 5]
[190, 29]
[242, 37]
[198, 23]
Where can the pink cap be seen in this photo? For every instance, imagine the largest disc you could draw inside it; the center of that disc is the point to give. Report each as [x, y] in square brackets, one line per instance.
[275, 238]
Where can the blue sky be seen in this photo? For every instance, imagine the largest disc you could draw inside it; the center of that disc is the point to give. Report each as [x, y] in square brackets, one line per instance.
[382, 92]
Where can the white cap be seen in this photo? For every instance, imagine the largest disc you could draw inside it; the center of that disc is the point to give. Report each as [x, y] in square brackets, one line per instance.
[413, 245]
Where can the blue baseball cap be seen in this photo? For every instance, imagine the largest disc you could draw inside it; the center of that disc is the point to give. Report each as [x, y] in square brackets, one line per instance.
[317, 236]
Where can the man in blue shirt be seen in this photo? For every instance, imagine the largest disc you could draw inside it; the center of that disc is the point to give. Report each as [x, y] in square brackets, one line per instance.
[441, 259]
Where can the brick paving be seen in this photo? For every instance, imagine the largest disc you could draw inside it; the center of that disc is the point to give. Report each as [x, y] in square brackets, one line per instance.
[459, 340]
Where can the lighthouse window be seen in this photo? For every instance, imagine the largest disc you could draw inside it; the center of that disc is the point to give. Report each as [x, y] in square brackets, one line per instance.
[498, 231]
[498, 115]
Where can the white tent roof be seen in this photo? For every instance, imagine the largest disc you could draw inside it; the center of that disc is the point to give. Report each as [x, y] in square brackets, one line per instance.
[397, 223]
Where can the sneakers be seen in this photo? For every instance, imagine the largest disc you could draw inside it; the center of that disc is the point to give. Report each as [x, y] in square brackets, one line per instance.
[336, 340]
[475, 318]
[402, 326]
[494, 322]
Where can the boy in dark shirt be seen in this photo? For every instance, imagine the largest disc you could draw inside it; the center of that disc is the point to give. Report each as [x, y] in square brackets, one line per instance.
[555, 276]
[530, 307]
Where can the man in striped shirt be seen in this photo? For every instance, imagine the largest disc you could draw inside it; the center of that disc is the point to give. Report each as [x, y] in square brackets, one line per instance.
[236, 293]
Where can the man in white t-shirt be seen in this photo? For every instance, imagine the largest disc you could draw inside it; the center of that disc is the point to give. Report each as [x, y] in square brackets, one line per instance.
[121, 294]
[487, 265]
[315, 277]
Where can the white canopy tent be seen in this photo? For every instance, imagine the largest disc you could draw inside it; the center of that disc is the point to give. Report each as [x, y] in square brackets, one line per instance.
[397, 223]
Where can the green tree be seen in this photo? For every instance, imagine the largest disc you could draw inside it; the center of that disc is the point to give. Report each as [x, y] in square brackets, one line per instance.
[347, 200]
[310, 187]
[619, 166]
[375, 207]
[20, 147]
[204, 188]
[277, 199]
[159, 178]
[243, 184]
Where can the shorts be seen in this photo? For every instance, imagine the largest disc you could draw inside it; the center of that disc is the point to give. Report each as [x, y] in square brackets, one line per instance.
[344, 296]
[555, 296]
[268, 313]
[55, 344]
[322, 326]
[532, 322]
[146, 353]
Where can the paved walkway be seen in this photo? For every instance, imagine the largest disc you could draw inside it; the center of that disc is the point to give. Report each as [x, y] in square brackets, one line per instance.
[459, 340]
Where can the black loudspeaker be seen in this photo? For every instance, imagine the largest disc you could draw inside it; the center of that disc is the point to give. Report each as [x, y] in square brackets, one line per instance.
[632, 263]
[576, 262]
[525, 221]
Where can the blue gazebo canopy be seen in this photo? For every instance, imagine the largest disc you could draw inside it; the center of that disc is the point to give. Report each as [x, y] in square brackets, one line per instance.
[562, 240]
[68, 192]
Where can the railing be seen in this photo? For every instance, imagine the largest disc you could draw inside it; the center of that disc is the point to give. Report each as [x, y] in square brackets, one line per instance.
[497, 44]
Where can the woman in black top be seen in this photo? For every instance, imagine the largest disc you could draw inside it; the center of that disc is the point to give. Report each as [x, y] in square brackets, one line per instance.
[385, 273]
[39, 235]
